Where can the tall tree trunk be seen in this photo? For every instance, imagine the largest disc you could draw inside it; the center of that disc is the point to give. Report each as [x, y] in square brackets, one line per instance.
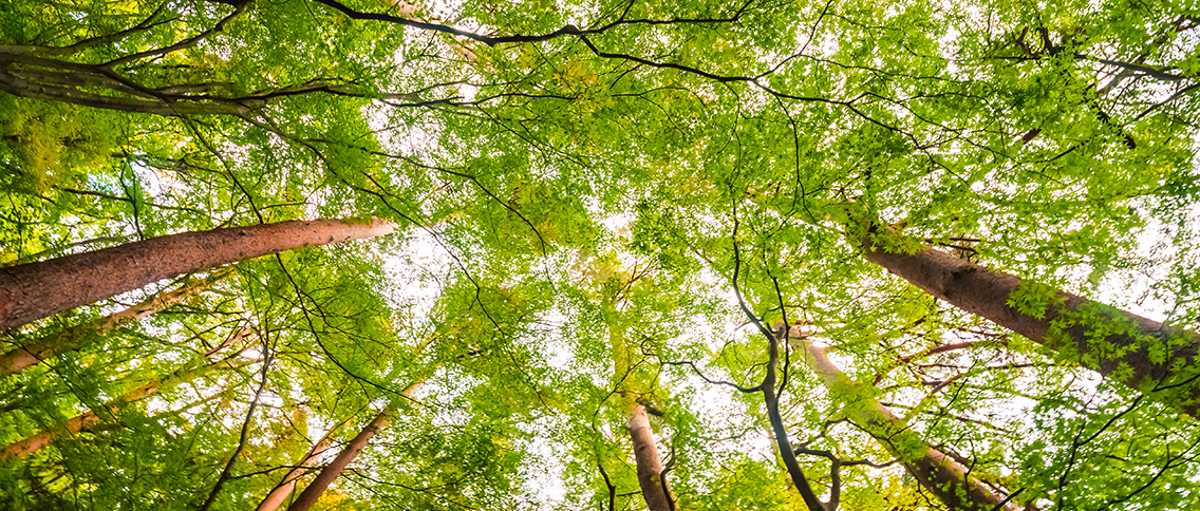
[30, 292]
[334, 469]
[649, 465]
[938, 473]
[1143, 353]
[86, 421]
[281, 492]
[72, 338]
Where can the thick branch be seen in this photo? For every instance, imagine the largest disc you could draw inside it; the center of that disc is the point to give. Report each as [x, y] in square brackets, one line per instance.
[72, 338]
[146, 24]
[768, 387]
[88, 420]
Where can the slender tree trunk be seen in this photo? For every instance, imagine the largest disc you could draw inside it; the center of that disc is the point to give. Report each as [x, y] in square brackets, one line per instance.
[86, 421]
[1143, 353]
[938, 473]
[779, 431]
[334, 469]
[281, 492]
[30, 292]
[649, 465]
[72, 338]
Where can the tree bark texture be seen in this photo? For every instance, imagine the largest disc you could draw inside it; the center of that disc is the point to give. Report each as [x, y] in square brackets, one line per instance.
[86, 421]
[649, 464]
[334, 469]
[938, 473]
[1137, 351]
[72, 338]
[281, 492]
[30, 292]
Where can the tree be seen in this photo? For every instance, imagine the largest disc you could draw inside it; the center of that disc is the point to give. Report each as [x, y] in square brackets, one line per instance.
[943, 476]
[1134, 350]
[281, 492]
[565, 176]
[309, 496]
[91, 419]
[32, 353]
[651, 476]
[334, 469]
[33, 291]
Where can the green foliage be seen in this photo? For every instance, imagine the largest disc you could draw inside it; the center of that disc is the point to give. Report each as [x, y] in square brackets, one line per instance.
[579, 216]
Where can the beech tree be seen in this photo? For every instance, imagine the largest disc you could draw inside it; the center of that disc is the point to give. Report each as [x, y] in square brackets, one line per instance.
[91, 419]
[334, 469]
[597, 207]
[284, 490]
[30, 354]
[651, 478]
[1136, 351]
[943, 476]
[35, 290]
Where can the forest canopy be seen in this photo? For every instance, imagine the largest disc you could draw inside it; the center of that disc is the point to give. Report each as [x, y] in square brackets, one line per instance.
[601, 254]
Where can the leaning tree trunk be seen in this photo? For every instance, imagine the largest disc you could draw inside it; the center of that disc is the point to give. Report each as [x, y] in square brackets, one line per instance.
[72, 338]
[334, 469]
[1143, 353]
[87, 421]
[30, 292]
[649, 465]
[938, 473]
[281, 492]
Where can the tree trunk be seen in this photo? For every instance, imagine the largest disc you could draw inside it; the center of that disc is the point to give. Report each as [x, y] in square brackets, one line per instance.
[334, 469]
[72, 338]
[86, 421]
[938, 473]
[30, 292]
[281, 492]
[779, 431]
[649, 465]
[1143, 353]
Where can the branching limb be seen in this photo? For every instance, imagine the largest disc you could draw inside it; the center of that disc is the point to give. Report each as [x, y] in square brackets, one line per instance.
[181, 45]
[744, 390]
[494, 40]
[768, 389]
[148, 23]
[226, 472]
[612, 490]
[835, 478]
